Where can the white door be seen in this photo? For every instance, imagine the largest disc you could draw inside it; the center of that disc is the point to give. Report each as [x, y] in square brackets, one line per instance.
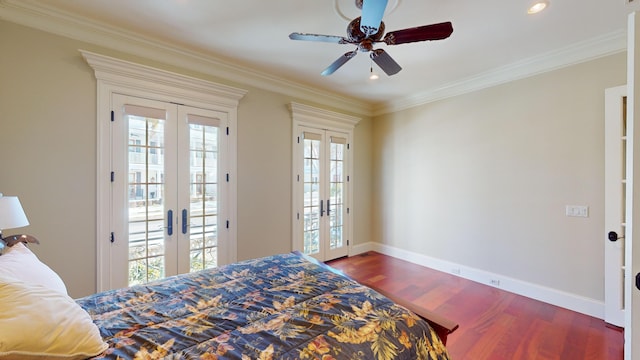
[168, 189]
[322, 178]
[632, 245]
[202, 189]
[615, 184]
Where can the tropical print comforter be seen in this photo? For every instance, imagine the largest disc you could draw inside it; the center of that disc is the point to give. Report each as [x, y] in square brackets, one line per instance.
[279, 307]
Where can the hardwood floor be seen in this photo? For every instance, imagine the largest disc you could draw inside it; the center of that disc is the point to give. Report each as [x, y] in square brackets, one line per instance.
[494, 324]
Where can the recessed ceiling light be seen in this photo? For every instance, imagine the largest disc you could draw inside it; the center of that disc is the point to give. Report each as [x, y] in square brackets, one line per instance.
[538, 6]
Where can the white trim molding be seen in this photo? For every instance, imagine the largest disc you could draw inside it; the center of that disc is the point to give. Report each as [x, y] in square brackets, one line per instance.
[591, 49]
[545, 294]
[115, 76]
[310, 115]
[164, 83]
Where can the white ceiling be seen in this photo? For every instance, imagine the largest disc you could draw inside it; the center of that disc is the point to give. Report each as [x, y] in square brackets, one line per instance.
[493, 40]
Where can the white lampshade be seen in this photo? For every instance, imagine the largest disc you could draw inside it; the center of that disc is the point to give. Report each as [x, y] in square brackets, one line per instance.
[11, 213]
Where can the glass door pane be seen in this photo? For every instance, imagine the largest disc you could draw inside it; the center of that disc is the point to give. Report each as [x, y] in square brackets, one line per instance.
[336, 194]
[146, 187]
[311, 194]
[203, 196]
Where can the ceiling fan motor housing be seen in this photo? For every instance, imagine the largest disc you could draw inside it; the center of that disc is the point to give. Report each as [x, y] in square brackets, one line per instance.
[355, 35]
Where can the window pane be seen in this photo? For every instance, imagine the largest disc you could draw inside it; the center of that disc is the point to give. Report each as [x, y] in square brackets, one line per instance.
[311, 193]
[203, 142]
[311, 242]
[146, 215]
[156, 268]
[336, 195]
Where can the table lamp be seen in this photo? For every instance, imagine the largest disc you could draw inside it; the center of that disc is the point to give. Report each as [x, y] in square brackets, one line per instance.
[11, 216]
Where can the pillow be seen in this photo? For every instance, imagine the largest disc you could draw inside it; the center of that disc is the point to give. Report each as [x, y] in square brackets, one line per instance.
[20, 263]
[41, 323]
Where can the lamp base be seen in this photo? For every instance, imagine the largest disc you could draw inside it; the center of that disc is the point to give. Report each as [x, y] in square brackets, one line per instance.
[14, 239]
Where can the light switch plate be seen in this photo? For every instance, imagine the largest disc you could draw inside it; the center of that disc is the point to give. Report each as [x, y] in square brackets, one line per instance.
[577, 211]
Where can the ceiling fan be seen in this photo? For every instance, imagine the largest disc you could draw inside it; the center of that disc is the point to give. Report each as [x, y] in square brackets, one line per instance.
[367, 29]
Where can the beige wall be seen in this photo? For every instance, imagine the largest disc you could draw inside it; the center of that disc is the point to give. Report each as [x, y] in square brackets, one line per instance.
[48, 155]
[47, 148]
[482, 179]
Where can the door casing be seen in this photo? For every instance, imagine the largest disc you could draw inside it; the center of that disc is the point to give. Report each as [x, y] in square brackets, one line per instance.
[323, 120]
[115, 76]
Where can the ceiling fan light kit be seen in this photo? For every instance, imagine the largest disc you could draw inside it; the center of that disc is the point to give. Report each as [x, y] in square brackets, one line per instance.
[373, 76]
[367, 30]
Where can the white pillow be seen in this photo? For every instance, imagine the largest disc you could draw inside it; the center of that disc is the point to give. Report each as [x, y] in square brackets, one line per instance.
[41, 323]
[22, 264]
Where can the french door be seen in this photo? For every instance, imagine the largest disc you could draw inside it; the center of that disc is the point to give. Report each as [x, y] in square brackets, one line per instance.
[322, 210]
[615, 203]
[168, 190]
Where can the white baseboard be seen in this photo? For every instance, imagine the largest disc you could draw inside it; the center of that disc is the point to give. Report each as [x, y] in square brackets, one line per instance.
[555, 297]
[363, 248]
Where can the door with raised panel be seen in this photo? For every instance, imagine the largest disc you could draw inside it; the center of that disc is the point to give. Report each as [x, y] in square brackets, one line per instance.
[168, 190]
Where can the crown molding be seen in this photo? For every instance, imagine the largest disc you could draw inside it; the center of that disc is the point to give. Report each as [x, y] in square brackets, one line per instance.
[45, 18]
[604, 45]
[127, 74]
[310, 114]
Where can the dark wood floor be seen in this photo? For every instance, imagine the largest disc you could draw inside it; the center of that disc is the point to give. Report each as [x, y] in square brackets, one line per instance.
[494, 324]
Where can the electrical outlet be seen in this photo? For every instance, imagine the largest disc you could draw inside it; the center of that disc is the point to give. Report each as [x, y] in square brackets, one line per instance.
[495, 282]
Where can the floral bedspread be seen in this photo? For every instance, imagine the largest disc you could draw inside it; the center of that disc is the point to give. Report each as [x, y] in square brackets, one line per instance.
[279, 307]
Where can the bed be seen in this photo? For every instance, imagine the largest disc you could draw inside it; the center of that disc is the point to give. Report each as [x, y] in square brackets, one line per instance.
[286, 306]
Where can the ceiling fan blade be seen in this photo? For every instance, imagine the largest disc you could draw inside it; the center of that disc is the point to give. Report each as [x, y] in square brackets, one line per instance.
[372, 12]
[421, 33]
[386, 63]
[338, 63]
[317, 37]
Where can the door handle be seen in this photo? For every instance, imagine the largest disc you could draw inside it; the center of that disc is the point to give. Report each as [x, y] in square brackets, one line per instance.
[613, 236]
[328, 207]
[184, 221]
[321, 208]
[170, 222]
